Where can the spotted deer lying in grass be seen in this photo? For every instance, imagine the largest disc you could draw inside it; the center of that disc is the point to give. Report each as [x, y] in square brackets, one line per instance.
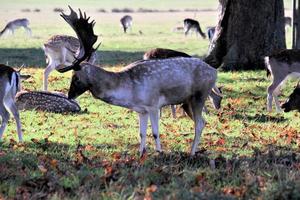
[282, 65]
[60, 51]
[10, 84]
[143, 86]
[160, 53]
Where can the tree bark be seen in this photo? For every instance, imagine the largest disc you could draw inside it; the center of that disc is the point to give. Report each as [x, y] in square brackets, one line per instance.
[246, 32]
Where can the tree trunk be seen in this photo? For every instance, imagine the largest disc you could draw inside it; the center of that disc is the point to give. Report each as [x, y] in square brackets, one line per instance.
[296, 24]
[246, 32]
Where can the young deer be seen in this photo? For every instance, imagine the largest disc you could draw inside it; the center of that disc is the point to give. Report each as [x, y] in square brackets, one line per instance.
[15, 24]
[160, 53]
[60, 51]
[191, 24]
[143, 86]
[282, 65]
[126, 22]
[10, 84]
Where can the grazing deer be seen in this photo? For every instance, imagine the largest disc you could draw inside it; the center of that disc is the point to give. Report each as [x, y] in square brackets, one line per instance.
[15, 24]
[191, 24]
[293, 102]
[160, 53]
[60, 50]
[288, 21]
[10, 84]
[210, 32]
[126, 22]
[282, 65]
[143, 86]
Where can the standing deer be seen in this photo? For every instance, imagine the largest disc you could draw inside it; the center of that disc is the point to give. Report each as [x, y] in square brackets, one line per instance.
[143, 86]
[10, 84]
[60, 50]
[281, 65]
[288, 21]
[210, 32]
[126, 22]
[293, 102]
[15, 24]
[191, 24]
[159, 53]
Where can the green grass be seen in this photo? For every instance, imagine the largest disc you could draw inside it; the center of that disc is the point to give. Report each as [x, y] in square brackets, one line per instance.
[245, 152]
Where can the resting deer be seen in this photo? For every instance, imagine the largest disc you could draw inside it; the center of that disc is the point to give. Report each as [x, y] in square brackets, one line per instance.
[126, 22]
[10, 84]
[160, 53]
[282, 65]
[143, 86]
[60, 50]
[15, 24]
[191, 24]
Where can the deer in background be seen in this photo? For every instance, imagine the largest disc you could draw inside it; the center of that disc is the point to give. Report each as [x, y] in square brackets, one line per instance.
[160, 53]
[191, 24]
[210, 32]
[281, 65]
[143, 86]
[60, 50]
[288, 21]
[126, 22]
[10, 84]
[15, 24]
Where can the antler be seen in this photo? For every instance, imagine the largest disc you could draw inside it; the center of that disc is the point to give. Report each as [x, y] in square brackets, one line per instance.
[85, 33]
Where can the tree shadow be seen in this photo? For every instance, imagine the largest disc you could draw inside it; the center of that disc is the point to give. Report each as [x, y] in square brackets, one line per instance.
[262, 118]
[35, 57]
[42, 168]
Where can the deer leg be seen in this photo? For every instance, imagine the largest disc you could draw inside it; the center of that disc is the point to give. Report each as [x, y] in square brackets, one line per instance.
[47, 71]
[197, 104]
[271, 89]
[11, 106]
[28, 30]
[143, 131]
[5, 118]
[154, 118]
[173, 110]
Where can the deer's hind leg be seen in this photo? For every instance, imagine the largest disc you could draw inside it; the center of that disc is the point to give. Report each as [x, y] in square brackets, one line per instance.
[197, 104]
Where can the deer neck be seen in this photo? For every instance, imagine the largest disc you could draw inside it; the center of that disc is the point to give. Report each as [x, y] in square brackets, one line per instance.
[111, 87]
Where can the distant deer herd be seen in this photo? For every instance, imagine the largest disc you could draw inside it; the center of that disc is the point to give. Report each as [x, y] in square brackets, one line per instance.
[164, 77]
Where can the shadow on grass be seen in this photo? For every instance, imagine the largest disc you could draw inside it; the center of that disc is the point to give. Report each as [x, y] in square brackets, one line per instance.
[262, 118]
[35, 57]
[45, 169]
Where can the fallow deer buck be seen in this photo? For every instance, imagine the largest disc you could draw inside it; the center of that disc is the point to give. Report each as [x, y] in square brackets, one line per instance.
[282, 65]
[15, 24]
[160, 53]
[143, 86]
[60, 51]
[10, 84]
[126, 22]
[191, 24]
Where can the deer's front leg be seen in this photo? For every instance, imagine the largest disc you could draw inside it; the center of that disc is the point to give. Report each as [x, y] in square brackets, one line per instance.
[154, 118]
[143, 131]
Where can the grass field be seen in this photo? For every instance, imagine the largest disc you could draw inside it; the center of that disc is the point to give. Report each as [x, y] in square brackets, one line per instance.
[245, 152]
